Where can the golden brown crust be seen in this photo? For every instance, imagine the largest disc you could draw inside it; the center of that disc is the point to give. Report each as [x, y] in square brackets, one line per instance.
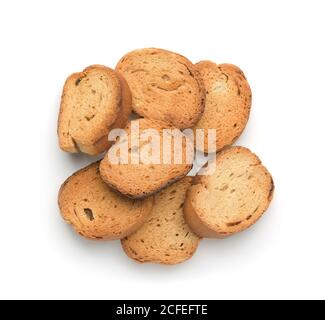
[165, 86]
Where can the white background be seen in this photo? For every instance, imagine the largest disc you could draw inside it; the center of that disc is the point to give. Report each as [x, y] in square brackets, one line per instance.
[279, 45]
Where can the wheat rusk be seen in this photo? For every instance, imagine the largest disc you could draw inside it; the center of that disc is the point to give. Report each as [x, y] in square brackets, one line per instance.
[148, 175]
[93, 102]
[97, 212]
[228, 102]
[165, 86]
[232, 198]
[165, 238]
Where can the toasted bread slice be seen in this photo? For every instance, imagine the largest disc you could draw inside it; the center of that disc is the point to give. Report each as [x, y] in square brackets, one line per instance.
[232, 198]
[149, 175]
[97, 212]
[165, 86]
[164, 238]
[94, 102]
[228, 102]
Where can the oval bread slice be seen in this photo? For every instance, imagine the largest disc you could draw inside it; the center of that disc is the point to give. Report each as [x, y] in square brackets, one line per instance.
[97, 212]
[165, 86]
[93, 102]
[149, 175]
[228, 102]
[232, 198]
[164, 238]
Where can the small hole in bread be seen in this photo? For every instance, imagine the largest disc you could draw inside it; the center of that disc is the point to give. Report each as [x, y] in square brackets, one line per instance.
[88, 118]
[89, 214]
[224, 188]
[133, 251]
[165, 77]
[234, 224]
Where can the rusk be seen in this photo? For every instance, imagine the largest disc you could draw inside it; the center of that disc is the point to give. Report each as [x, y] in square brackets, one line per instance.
[232, 198]
[97, 212]
[228, 102]
[165, 86]
[93, 102]
[164, 238]
[146, 177]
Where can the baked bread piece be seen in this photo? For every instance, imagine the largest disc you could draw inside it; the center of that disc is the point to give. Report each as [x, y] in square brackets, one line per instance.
[164, 238]
[233, 198]
[93, 102]
[228, 102]
[97, 212]
[139, 180]
[165, 86]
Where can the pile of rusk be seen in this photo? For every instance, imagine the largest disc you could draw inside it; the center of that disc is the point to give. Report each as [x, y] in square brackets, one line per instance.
[156, 210]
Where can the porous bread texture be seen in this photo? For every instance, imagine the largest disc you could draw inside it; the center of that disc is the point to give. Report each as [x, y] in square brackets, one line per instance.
[146, 178]
[165, 238]
[97, 212]
[228, 103]
[232, 198]
[165, 86]
[93, 102]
